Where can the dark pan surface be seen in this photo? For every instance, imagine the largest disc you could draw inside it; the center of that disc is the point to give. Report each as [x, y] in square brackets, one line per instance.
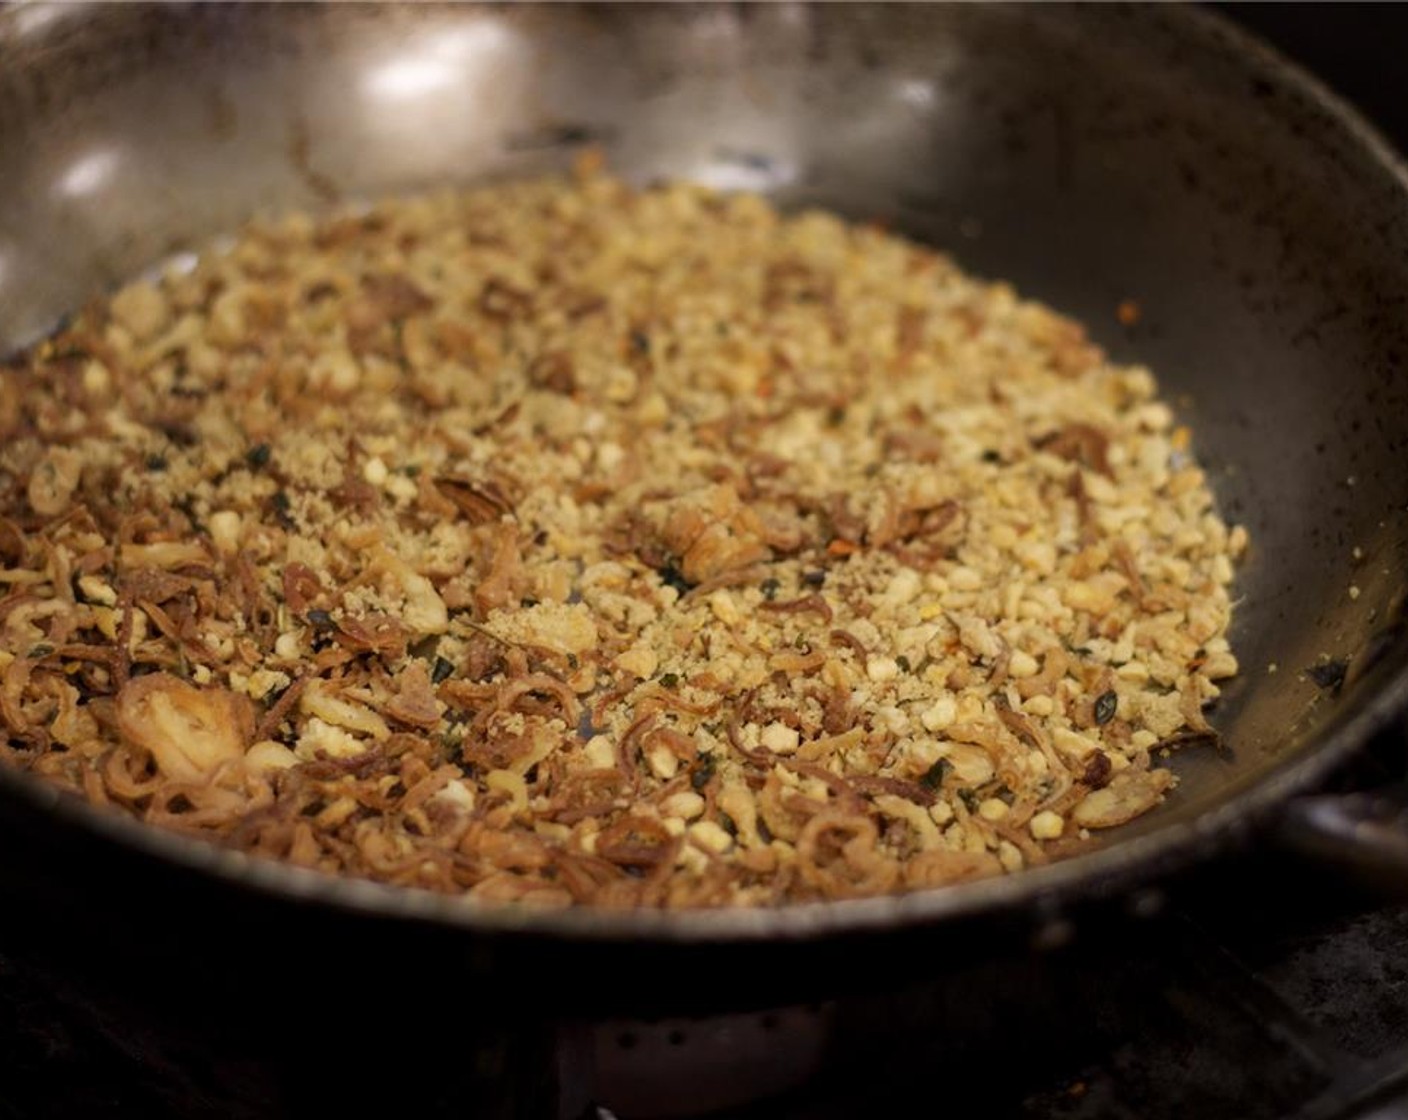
[1090, 155]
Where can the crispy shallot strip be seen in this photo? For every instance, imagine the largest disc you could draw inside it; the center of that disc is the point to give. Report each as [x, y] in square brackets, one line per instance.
[837, 854]
[734, 730]
[815, 603]
[269, 722]
[851, 642]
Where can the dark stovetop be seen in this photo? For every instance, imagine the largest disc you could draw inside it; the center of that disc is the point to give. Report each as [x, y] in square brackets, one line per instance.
[1263, 988]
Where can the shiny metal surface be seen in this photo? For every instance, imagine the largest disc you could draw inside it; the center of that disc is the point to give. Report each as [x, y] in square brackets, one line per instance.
[1089, 154]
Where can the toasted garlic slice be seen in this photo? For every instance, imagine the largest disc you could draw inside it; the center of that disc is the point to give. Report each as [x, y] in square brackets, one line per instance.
[189, 731]
[1126, 797]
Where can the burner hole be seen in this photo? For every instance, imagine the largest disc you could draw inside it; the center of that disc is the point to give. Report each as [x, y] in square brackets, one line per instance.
[769, 1022]
[675, 1038]
[627, 1040]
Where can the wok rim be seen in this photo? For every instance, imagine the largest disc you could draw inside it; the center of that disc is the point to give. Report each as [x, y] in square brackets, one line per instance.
[1109, 871]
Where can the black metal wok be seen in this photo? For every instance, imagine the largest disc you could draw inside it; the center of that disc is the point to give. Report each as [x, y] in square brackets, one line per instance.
[1091, 155]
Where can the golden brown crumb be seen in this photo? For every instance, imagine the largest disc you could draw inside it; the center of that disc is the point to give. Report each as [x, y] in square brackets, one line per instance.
[564, 543]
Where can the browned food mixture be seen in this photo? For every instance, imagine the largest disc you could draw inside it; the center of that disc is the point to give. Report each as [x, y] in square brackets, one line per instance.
[565, 543]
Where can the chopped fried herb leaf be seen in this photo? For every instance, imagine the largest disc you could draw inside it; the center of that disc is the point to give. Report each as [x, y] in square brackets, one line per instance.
[1106, 705]
[703, 772]
[1328, 675]
[933, 777]
[281, 505]
[671, 576]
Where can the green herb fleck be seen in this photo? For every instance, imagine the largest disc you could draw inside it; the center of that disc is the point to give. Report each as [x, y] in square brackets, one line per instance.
[258, 455]
[671, 576]
[903, 662]
[703, 772]
[282, 504]
[670, 680]
[1105, 706]
[770, 588]
[1328, 675]
[442, 670]
[933, 777]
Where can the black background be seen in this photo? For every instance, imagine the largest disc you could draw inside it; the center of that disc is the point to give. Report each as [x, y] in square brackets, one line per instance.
[1356, 49]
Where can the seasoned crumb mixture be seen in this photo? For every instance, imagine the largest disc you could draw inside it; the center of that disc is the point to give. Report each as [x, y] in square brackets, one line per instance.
[560, 542]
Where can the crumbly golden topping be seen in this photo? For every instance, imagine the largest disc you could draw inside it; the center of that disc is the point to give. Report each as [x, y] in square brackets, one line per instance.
[559, 542]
